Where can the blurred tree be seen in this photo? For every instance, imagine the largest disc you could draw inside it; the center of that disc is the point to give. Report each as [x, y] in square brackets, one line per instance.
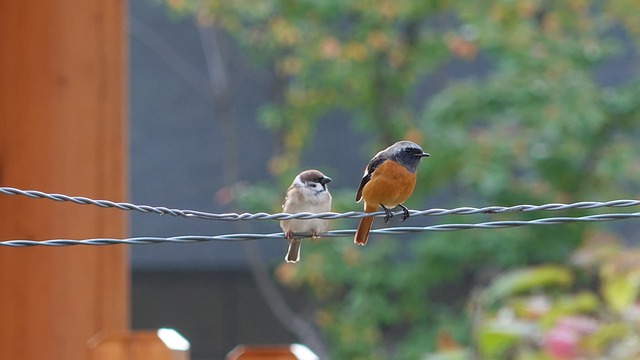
[534, 126]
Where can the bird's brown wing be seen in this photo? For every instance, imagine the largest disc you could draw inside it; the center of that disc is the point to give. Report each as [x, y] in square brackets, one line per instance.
[286, 197]
[371, 167]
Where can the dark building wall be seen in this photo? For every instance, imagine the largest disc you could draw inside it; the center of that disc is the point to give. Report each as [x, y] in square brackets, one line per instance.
[214, 310]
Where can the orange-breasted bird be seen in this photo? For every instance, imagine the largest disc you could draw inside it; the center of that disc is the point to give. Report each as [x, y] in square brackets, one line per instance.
[307, 193]
[388, 181]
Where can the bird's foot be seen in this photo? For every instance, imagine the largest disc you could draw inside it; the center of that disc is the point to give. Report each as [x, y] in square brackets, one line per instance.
[288, 235]
[388, 213]
[405, 211]
[314, 234]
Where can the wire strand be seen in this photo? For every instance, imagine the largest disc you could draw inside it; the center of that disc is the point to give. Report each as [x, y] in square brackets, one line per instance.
[159, 210]
[331, 234]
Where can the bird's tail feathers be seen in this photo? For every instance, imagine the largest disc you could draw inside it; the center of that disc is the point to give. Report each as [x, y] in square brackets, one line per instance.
[293, 253]
[362, 233]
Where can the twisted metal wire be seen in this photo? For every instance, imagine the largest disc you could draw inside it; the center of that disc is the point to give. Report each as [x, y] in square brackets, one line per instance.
[334, 233]
[305, 215]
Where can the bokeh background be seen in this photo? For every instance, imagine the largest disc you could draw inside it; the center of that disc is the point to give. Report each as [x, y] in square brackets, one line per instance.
[519, 102]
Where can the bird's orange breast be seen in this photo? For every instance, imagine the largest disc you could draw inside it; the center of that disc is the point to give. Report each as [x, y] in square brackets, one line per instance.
[391, 184]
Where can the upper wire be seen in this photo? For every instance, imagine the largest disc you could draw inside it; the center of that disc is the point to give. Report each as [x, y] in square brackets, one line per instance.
[160, 210]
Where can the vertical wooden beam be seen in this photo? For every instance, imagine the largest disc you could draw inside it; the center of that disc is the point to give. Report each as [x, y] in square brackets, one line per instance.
[62, 129]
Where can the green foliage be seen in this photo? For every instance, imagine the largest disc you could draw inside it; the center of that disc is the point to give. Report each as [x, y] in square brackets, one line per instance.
[533, 126]
[536, 323]
[526, 279]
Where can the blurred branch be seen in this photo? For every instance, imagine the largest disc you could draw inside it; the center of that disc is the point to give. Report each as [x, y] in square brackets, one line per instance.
[278, 304]
[165, 52]
[222, 98]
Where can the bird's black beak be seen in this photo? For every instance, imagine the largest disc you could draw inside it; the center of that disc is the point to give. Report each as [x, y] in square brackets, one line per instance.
[325, 180]
[423, 155]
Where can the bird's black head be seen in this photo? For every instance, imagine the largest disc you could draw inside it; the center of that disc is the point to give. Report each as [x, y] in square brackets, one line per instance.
[406, 153]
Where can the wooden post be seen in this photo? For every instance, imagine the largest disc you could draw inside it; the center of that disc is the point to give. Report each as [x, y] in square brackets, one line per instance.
[62, 129]
[138, 345]
[271, 352]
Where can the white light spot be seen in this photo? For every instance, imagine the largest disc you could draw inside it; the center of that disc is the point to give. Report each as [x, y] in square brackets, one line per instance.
[302, 352]
[173, 339]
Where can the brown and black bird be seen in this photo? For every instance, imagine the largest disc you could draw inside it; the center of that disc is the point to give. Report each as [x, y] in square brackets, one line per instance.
[388, 181]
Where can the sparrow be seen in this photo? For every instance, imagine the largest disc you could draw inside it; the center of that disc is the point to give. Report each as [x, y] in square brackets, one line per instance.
[388, 181]
[308, 193]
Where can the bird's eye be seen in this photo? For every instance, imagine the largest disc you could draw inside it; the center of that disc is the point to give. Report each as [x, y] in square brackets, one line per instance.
[312, 184]
[407, 150]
